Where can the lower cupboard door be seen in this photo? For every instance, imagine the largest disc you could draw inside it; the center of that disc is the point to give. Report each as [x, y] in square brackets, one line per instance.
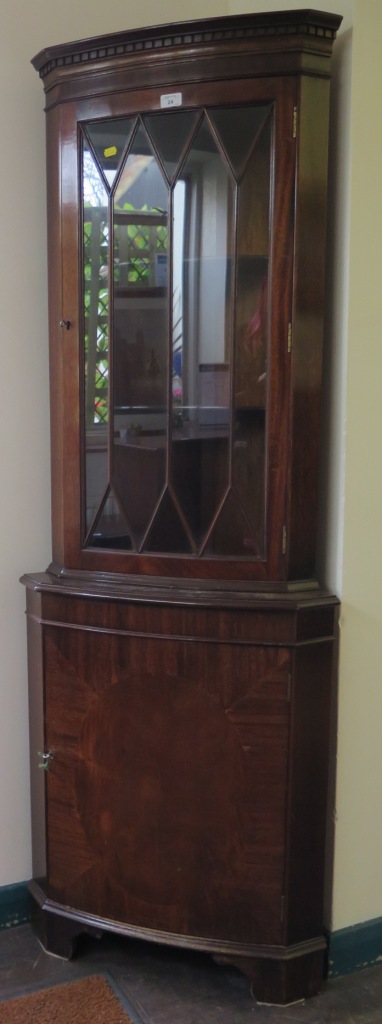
[167, 790]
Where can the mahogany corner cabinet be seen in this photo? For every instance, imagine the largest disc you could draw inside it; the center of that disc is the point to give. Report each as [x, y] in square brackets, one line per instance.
[182, 653]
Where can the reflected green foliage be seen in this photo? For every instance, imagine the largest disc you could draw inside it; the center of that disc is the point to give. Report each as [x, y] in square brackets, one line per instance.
[139, 239]
[96, 312]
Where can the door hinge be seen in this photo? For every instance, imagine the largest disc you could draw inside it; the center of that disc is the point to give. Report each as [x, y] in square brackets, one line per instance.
[284, 541]
[294, 122]
[289, 337]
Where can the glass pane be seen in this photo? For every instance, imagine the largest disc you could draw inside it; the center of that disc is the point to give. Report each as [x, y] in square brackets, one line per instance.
[254, 196]
[249, 470]
[111, 529]
[139, 472]
[237, 130]
[96, 332]
[140, 219]
[231, 535]
[109, 140]
[170, 133]
[251, 359]
[167, 532]
[140, 337]
[203, 243]
[97, 471]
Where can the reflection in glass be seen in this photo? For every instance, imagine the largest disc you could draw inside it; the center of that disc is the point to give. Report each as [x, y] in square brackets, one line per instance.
[96, 330]
[202, 273]
[170, 133]
[237, 131]
[109, 140]
[251, 341]
[140, 342]
[168, 532]
[110, 529]
[254, 198]
[231, 534]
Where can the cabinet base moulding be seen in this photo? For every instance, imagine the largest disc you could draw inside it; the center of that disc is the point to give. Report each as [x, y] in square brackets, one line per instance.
[278, 974]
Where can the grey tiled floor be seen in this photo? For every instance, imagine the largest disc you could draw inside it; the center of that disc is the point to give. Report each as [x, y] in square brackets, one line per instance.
[169, 986]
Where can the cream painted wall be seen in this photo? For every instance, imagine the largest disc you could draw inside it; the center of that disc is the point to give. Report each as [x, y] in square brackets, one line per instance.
[351, 486]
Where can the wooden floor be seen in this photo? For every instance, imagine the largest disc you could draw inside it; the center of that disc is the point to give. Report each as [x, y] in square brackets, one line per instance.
[168, 986]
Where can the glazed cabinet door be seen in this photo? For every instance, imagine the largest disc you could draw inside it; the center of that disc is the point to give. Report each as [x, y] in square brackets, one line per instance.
[183, 220]
[167, 792]
[171, 218]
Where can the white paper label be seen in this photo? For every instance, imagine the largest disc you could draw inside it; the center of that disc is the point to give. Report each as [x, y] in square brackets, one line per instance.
[171, 99]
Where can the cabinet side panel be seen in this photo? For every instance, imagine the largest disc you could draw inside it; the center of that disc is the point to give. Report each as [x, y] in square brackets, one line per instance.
[36, 731]
[307, 336]
[308, 788]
